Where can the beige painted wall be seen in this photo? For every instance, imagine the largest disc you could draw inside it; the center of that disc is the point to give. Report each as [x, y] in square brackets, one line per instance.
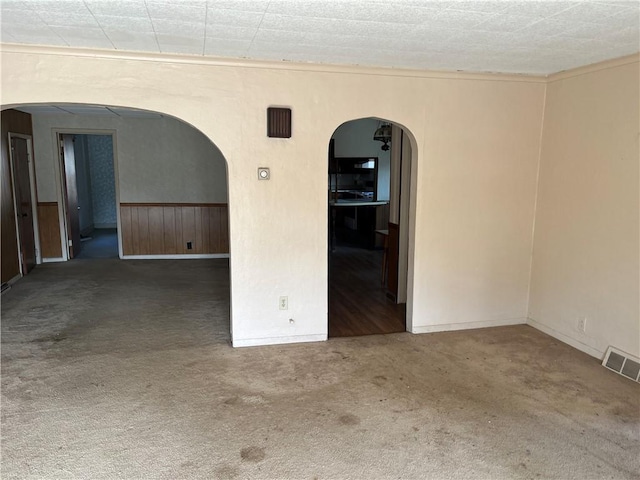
[159, 160]
[585, 257]
[475, 215]
[475, 137]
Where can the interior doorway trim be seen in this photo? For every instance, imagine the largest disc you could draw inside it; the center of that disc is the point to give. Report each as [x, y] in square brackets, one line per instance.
[60, 181]
[34, 197]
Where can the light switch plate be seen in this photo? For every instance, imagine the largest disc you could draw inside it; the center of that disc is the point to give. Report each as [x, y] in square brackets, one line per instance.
[263, 173]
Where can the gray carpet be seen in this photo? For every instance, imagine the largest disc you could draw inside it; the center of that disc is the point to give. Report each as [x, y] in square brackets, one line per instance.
[122, 369]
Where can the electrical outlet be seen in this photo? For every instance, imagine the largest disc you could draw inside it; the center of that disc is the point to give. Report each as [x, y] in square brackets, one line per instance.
[284, 303]
[189, 245]
[582, 324]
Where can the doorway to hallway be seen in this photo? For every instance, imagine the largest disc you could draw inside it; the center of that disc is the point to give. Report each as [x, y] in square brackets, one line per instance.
[90, 194]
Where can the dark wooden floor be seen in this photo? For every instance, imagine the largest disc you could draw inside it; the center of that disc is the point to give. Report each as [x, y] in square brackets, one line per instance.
[358, 304]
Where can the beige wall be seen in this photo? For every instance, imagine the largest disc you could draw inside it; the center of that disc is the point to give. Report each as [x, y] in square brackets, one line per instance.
[159, 160]
[480, 159]
[475, 139]
[585, 257]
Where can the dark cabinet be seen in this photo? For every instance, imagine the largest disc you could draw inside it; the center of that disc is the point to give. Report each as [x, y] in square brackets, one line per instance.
[353, 199]
[356, 226]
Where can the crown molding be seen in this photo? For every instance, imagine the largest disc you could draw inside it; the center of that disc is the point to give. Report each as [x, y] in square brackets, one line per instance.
[23, 49]
[594, 67]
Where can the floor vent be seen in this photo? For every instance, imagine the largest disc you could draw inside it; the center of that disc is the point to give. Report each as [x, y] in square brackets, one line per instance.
[622, 363]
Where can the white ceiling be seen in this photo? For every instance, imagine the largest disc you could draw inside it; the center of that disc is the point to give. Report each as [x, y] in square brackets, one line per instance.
[511, 36]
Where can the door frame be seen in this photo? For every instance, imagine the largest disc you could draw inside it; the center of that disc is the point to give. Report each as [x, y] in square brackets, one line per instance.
[402, 198]
[404, 217]
[34, 197]
[61, 182]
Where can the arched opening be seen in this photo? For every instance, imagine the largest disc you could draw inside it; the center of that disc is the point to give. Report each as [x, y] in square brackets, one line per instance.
[370, 224]
[167, 216]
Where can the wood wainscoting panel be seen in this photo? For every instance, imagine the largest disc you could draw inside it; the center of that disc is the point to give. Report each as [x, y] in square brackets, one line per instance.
[170, 244]
[156, 224]
[125, 230]
[49, 227]
[166, 229]
[188, 229]
[143, 231]
[223, 240]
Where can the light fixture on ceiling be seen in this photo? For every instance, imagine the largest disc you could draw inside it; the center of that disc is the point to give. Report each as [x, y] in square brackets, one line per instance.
[383, 134]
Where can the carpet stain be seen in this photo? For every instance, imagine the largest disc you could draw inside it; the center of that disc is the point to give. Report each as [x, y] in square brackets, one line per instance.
[253, 399]
[245, 399]
[379, 380]
[50, 338]
[252, 454]
[349, 419]
[226, 472]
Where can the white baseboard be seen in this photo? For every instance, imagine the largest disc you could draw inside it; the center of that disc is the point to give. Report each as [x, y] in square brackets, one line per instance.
[583, 347]
[449, 327]
[155, 257]
[52, 260]
[254, 342]
[186, 256]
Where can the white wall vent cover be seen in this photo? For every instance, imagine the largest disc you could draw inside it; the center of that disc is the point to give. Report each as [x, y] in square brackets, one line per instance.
[622, 363]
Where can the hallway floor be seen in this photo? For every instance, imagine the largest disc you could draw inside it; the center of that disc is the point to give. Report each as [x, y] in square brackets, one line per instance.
[123, 369]
[358, 302]
[102, 243]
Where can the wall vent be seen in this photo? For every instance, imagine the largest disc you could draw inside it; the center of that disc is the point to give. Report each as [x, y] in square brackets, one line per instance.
[279, 122]
[622, 363]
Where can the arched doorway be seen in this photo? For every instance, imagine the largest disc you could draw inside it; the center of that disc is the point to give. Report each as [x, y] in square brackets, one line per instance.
[169, 197]
[370, 214]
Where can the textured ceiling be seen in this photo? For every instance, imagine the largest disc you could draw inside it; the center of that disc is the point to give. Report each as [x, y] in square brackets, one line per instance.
[64, 109]
[511, 36]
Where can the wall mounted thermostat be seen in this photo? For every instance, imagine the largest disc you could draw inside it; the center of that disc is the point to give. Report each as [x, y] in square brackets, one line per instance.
[263, 173]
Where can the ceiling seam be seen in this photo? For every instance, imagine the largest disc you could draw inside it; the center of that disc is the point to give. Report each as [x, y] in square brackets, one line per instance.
[153, 27]
[206, 19]
[99, 25]
[49, 27]
[258, 28]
